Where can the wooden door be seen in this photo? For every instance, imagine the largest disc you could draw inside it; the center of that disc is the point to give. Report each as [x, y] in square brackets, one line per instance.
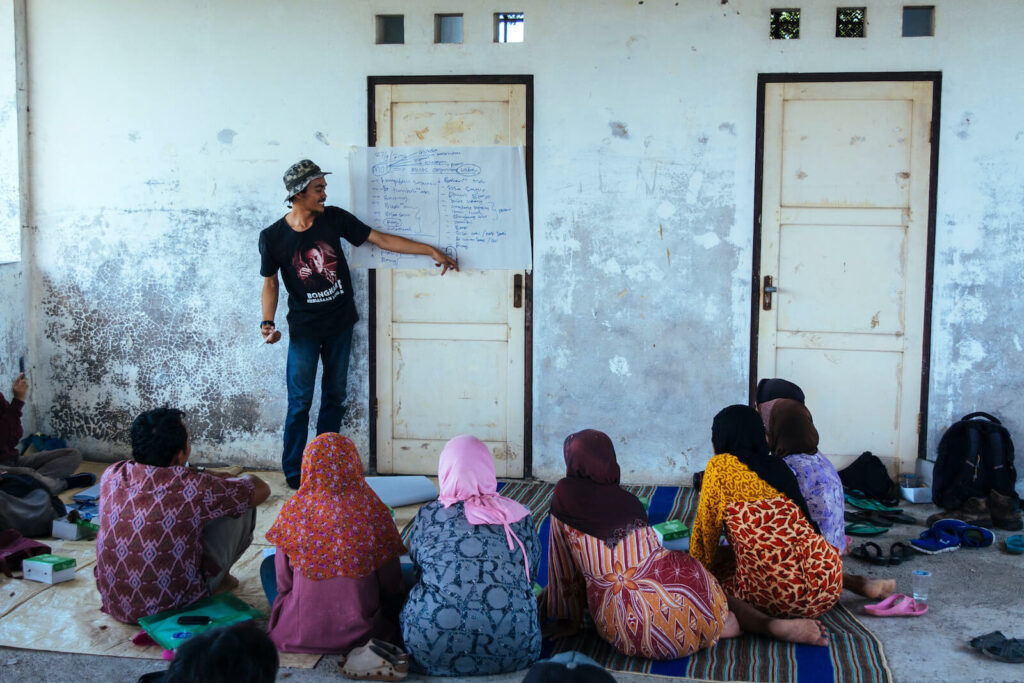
[450, 351]
[844, 239]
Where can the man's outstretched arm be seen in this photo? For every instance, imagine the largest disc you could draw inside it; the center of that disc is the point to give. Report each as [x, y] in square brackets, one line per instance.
[403, 245]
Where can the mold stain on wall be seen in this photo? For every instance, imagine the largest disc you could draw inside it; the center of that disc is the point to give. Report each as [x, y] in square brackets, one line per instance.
[140, 318]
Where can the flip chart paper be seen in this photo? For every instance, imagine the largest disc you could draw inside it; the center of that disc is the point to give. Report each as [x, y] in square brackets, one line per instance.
[470, 202]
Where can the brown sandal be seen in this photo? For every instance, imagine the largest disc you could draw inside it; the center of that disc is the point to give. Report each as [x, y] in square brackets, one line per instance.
[371, 662]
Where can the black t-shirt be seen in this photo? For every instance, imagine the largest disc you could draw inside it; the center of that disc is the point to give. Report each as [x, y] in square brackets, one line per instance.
[314, 270]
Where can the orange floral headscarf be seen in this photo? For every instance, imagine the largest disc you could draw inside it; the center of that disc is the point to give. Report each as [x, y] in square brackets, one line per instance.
[335, 525]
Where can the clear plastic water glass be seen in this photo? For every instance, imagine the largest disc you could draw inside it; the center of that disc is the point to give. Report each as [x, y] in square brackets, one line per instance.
[921, 579]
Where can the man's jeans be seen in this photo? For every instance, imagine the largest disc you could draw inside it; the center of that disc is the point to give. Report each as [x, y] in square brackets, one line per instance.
[303, 353]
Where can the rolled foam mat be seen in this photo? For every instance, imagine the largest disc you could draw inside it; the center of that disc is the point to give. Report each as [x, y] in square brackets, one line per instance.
[403, 490]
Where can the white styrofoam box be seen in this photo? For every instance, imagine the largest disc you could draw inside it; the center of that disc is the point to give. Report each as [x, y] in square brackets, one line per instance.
[918, 494]
[69, 531]
[677, 544]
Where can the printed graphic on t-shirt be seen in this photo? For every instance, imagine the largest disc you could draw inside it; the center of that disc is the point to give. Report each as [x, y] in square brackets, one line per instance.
[317, 267]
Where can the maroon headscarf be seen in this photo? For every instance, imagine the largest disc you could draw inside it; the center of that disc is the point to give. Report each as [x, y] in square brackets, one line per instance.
[589, 498]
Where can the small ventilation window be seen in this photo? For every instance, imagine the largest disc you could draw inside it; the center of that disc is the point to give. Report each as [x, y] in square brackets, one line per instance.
[785, 24]
[390, 29]
[447, 28]
[509, 27]
[918, 22]
[850, 22]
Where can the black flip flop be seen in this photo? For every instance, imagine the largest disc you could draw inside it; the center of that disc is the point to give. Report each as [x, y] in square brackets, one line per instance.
[873, 518]
[998, 646]
[899, 552]
[865, 529]
[894, 517]
[870, 552]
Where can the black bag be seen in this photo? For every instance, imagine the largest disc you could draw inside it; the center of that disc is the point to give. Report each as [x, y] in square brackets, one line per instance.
[27, 506]
[868, 476]
[975, 457]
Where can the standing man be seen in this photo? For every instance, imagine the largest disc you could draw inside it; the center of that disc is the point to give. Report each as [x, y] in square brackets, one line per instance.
[305, 245]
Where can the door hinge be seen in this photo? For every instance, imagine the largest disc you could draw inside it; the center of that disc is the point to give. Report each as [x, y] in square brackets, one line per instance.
[517, 291]
[375, 403]
[919, 423]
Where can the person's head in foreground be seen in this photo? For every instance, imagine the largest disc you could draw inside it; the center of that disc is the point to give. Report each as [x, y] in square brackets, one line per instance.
[568, 667]
[159, 437]
[240, 653]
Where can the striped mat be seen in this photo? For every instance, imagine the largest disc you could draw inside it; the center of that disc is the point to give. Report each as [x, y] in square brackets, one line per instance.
[855, 654]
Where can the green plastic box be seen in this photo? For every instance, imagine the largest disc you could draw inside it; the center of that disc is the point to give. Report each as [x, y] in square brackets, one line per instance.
[671, 530]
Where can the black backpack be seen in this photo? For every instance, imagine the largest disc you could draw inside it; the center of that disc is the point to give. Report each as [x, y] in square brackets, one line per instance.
[868, 477]
[975, 457]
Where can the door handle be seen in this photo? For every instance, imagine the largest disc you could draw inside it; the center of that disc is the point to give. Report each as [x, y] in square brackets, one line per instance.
[517, 291]
[768, 289]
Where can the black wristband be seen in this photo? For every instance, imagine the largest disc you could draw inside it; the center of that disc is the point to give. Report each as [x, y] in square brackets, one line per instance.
[268, 322]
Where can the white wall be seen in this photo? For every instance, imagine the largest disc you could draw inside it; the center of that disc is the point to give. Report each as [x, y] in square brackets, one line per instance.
[160, 131]
[13, 330]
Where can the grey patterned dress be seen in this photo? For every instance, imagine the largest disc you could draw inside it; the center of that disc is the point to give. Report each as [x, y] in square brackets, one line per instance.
[473, 611]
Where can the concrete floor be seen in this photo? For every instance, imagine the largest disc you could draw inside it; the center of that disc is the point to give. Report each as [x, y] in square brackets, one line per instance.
[973, 592]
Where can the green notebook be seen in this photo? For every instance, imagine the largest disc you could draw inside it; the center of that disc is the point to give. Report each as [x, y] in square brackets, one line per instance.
[222, 609]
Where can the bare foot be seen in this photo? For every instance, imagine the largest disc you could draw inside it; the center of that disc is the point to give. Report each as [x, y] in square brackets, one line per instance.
[732, 627]
[806, 631]
[228, 583]
[879, 588]
[869, 588]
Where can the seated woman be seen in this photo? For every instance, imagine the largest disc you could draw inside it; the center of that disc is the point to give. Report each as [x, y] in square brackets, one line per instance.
[782, 564]
[645, 600]
[793, 437]
[473, 611]
[339, 581]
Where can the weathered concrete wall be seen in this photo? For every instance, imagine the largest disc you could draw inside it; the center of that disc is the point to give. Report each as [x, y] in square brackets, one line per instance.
[10, 187]
[160, 135]
[13, 330]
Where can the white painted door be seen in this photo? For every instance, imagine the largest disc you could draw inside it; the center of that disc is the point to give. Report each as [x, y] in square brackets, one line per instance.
[450, 350]
[844, 224]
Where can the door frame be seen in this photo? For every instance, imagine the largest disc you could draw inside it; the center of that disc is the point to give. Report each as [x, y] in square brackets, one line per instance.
[935, 77]
[371, 136]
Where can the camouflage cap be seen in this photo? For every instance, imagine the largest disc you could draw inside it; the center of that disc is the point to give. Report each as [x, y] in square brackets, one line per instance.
[299, 175]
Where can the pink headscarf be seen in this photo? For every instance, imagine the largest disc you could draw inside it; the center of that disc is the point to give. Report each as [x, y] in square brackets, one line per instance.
[466, 473]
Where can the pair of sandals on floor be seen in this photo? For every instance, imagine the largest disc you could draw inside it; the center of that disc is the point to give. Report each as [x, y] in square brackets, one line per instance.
[872, 552]
[874, 517]
[950, 534]
[378, 660]
[874, 523]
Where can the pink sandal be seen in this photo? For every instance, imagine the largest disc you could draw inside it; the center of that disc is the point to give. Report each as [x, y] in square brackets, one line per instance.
[897, 605]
